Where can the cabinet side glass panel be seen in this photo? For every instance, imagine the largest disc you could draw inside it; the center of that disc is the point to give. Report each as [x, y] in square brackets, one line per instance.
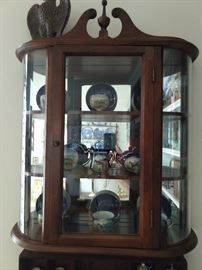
[101, 145]
[175, 225]
[33, 138]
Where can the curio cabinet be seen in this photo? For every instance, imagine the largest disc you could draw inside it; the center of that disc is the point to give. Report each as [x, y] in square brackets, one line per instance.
[104, 179]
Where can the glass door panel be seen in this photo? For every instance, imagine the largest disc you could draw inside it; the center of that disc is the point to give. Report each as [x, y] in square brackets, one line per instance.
[33, 138]
[102, 145]
[174, 209]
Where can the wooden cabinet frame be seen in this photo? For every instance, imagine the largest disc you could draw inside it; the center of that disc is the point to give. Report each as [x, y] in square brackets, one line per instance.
[130, 42]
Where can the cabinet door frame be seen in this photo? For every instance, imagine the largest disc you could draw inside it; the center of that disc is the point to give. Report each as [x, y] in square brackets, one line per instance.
[150, 148]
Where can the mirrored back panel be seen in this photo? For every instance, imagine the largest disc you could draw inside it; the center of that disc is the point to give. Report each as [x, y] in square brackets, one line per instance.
[102, 145]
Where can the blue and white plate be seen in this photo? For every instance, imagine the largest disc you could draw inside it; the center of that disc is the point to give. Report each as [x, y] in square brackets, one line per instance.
[87, 133]
[101, 97]
[98, 133]
[107, 201]
[136, 97]
[66, 203]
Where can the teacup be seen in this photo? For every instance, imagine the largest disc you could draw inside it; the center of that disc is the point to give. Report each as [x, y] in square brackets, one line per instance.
[102, 217]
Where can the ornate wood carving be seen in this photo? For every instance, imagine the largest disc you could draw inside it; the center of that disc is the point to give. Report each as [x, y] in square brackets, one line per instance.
[104, 21]
[130, 35]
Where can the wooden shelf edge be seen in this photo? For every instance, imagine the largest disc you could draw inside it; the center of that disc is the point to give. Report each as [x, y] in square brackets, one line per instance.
[179, 250]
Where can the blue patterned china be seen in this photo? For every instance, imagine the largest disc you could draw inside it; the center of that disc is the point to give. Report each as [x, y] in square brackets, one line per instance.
[98, 133]
[136, 97]
[98, 145]
[87, 133]
[105, 205]
[65, 207]
[41, 97]
[101, 97]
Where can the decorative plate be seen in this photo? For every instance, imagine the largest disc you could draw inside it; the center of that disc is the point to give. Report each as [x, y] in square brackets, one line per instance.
[40, 98]
[99, 145]
[101, 97]
[107, 201]
[98, 133]
[87, 133]
[41, 95]
[65, 207]
[136, 97]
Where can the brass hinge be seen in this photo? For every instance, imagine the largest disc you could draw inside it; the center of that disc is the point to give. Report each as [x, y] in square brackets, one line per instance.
[153, 74]
[151, 218]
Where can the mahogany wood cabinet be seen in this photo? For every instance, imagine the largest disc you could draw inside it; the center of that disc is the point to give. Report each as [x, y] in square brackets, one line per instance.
[104, 150]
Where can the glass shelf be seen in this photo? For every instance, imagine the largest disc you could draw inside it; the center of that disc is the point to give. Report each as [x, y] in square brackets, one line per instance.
[82, 172]
[108, 116]
[83, 223]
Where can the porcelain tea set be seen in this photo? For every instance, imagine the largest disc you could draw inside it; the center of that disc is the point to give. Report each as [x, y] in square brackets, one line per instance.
[100, 161]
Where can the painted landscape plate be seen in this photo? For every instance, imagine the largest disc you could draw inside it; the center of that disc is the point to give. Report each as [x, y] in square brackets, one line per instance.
[101, 97]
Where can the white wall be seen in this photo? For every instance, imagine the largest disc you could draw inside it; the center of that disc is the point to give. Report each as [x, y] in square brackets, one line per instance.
[181, 18]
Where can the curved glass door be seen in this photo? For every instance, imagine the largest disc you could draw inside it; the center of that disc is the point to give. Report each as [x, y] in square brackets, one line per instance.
[33, 141]
[175, 224]
[102, 145]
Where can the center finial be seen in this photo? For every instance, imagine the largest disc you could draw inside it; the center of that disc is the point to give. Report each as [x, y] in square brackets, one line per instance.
[104, 21]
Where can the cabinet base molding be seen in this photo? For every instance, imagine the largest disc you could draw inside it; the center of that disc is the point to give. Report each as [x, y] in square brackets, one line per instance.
[30, 260]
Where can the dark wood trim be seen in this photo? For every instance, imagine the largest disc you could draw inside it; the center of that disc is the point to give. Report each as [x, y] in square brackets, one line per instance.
[29, 259]
[157, 143]
[54, 146]
[167, 42]
[149, 212]
[130, 36]
[174, 251]
[103, 240]
[130, 42]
